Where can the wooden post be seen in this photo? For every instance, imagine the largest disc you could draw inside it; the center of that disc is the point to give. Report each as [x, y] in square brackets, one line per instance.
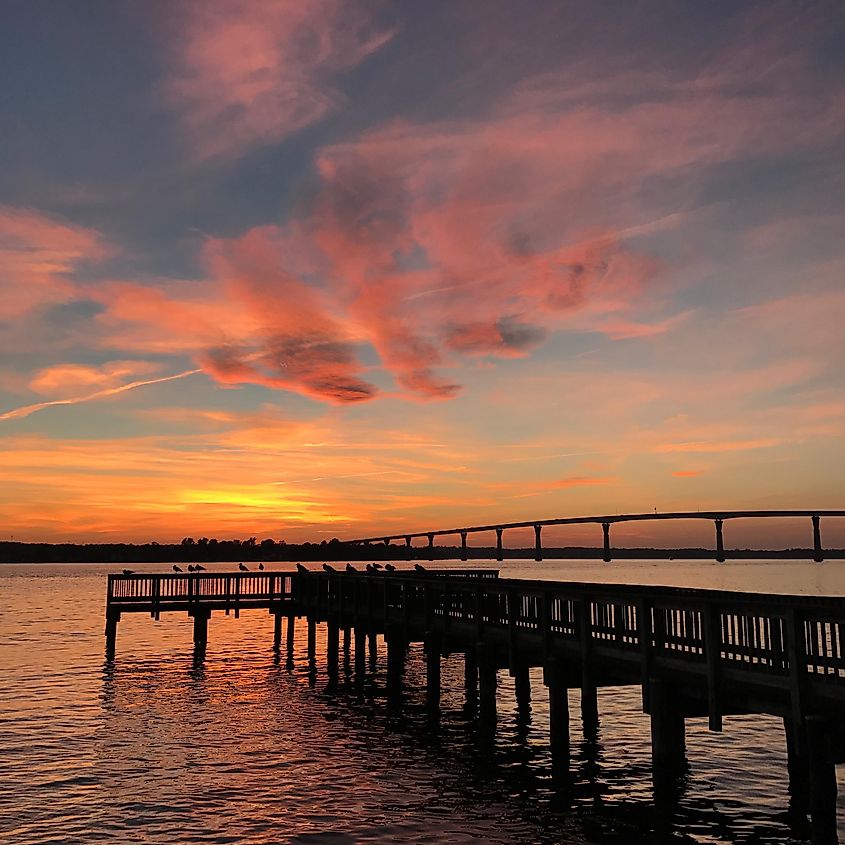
[796, 767]
[538, 545]
[668, 743]
[487, 683]
[553, 678]
[201, 616]
[471, 674]
[277, 631]
[711, 618]
[332, 646]
[822, 781]
[112, 618]
[589, 693]
[396, 650]
[291, 632]
[499, 552]
[818, 555]
[433, 647]
[605, 527]
[373, 648]
[720, 542]
[360, 653]
[522, 685]
[312, 641]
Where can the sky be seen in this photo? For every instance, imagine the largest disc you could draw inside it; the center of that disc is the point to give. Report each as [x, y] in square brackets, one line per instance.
[348, 267]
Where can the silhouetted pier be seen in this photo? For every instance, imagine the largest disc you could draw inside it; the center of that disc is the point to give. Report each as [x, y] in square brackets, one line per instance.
[718, 518]
[694, 653]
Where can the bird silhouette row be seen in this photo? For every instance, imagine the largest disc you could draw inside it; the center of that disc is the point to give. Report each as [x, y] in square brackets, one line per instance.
[371, 568]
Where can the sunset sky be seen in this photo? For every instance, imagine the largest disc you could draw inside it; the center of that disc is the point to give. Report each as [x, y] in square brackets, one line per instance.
[334, 268]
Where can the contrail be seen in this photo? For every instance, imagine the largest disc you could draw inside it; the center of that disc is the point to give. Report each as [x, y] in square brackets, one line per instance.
[26, 410]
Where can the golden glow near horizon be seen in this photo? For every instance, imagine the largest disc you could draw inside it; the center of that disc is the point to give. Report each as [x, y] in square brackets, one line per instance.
[602, 275]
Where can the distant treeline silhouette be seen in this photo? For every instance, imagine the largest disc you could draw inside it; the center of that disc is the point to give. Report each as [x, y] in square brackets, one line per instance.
[210, 550]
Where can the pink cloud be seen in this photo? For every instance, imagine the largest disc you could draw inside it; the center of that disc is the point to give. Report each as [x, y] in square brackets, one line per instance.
[37, 254]
[247, 74]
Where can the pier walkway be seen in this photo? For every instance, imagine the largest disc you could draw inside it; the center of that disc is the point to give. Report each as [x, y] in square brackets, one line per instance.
[694, 653]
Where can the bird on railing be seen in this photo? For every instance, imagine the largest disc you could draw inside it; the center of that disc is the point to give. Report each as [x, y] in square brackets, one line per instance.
[370, 568]
[304, 570]
[128, 572]
[261, 566]
[350, 568]
[242, 567]
[177, 568]
[376, 566]
[419, 568]
[198, 568]
[329, 568]
[389, 567]
[191, 568]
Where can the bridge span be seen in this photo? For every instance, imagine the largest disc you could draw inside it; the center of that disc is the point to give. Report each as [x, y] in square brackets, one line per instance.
[693, 653]
[717, 517]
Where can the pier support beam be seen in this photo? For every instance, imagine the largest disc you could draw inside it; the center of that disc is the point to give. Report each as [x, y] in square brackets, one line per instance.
[433, 647]
[487, 684]
[720, 542]
[818, 555]
[397, 648]
[332, 646]
[360, 653]
[553, 678]
[538, 544]
[200, 615]
[312, 641]
[822, 781]
[463, 545]
[499, 554]
[796, 767]
[522, 685]
[471, 675]
[668, 742]
[605, 527]
[112, 619]
[290, 634]
[277, 631]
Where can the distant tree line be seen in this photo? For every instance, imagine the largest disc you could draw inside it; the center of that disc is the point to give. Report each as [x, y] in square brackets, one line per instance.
[207, 549]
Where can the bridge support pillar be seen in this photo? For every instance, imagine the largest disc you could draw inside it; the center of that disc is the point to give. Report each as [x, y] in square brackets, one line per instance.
[463, 545]
[499, 553]
[201, 615]
[112, 619]
[430, 546]
[433, 648]
[668, 742]
[538, 544]
[522, 685]
[822, 781]
[487, 684]
[312, 642]
[605, 527]
[360, 654]
[277, 631]
[720, 542]
[553, 678]
[818, 555]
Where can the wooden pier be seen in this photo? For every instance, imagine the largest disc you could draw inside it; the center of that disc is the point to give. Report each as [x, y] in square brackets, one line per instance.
[694, 653]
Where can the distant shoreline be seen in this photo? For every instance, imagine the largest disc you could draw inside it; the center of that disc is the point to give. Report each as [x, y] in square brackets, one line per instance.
[213, 551]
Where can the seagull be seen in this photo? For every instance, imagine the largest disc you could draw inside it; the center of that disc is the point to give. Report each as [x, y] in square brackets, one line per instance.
[303, 569]
[390, 567]
[177, 568]
[376, 566]
[261, 566]
[198, 568]
[369, 568]
[191, 568]
[242, 567]
[419, 567]
[350, 568]
[128, 572]
[329, 568]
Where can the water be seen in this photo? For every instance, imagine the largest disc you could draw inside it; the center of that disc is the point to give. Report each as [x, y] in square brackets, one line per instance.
[156, 748]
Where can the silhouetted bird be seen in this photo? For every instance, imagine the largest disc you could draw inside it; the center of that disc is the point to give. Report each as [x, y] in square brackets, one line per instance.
[191, 568]
[242, 567]
[419, 567]
[177, 568]
[369, 568]
[199, 568]
[390, 567]
[329, 568]
[376, 566]
[303, 569]
[350, 568]
[261, 566]
[128, 572]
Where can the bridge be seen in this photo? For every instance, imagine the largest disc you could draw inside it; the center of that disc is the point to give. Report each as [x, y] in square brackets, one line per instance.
[694, 653]
[717, 517]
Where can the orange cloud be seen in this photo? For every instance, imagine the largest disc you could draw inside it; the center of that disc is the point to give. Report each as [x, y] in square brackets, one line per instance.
[247, 74]
[686, 473]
